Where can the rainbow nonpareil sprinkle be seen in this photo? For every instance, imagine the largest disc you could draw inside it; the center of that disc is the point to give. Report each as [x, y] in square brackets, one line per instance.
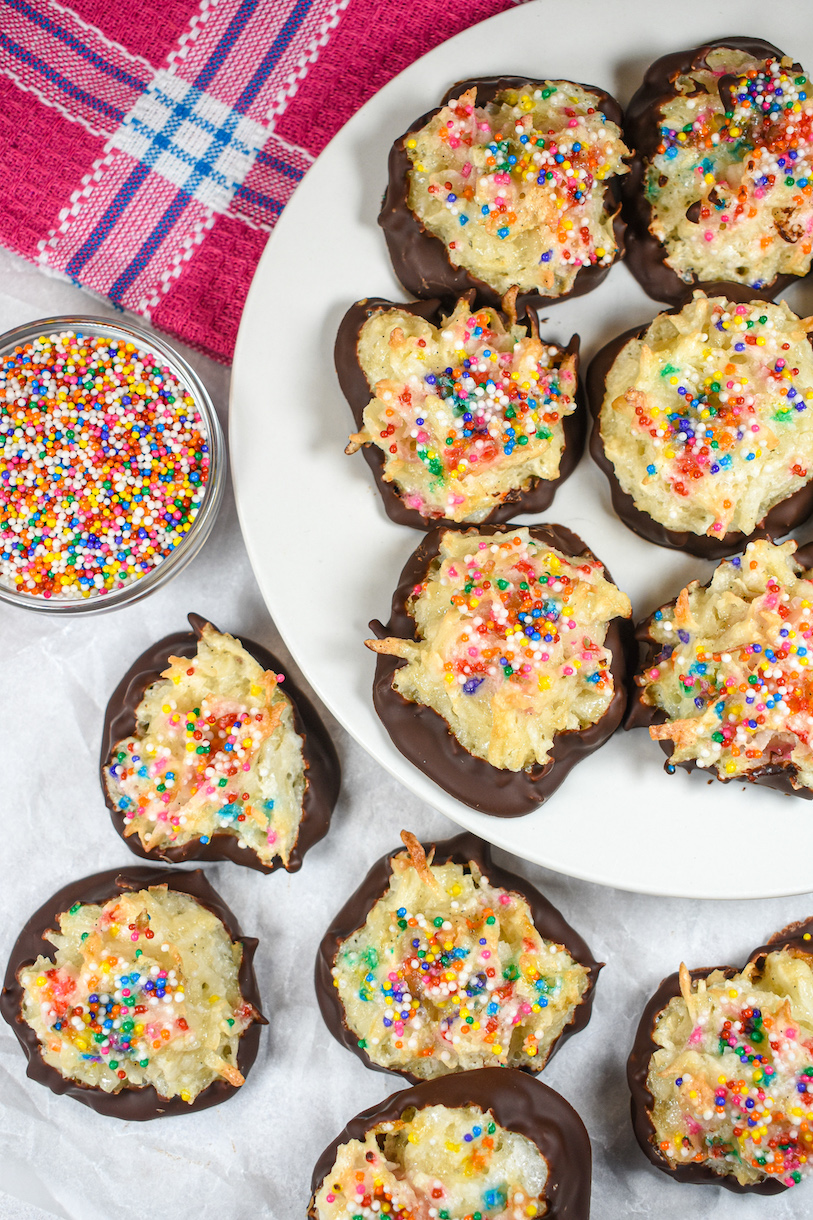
[104, 461]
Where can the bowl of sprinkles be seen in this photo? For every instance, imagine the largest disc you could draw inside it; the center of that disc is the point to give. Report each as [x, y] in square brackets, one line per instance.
[111, 464]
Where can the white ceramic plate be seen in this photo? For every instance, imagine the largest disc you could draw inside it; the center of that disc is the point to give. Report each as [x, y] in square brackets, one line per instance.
[327, 558]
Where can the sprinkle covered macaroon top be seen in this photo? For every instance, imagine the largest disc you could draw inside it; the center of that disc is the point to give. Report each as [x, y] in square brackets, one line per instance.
[104, 463]
[444, 1162]
[731, 668]
[143, 990]
[731, 180]
[449, 972]
[516, 189]
[706, 417]
[467, 412]
[732, 1081]
[216, 751]
[511, 644]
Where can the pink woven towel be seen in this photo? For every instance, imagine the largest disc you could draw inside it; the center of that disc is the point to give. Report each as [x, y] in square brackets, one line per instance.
[149, 146]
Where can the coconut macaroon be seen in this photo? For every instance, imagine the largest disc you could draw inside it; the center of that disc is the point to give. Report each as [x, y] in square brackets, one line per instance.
[722, 1072]
[493, 1142]
[516, 189]
[514, 179]
[453, 1160]
[510, 643]
[725, 138]
[215, 752]
[449, 970]
[704, 422]
[143, 990]
[727, 684]
[469, 412]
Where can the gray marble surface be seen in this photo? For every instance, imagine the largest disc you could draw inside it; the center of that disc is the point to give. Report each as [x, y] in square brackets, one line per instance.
[254, 1155]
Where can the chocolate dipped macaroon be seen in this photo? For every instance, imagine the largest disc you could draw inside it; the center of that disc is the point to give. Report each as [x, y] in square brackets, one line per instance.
[463, 415]
[719, 196]
[493, 1141]
[503, 663]
[148, 1006]
[509, 182]
[702, 422]
[442, 962]
[209, 752]
[723, 681]
[721, 1072]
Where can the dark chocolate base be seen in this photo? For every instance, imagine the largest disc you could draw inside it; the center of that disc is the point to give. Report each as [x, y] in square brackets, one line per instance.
[420, 260]
[645, 1047]
[519, 1103]
[535, 498]
[781, 519]
[322, 770]
[775, 773]
[424, 737]
[645, 254]
[460, 850]
[132, 1104]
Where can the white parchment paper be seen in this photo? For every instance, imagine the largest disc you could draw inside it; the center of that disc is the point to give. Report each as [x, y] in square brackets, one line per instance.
[253, 1156]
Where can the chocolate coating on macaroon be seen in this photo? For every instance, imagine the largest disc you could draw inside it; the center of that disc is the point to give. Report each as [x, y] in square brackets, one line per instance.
[645, 255]
[322, 770]
[420, 259]
[519, 1103]
[423, 736]
[131, 1104]
[645, 1047]
[536, 498]
[462, 849]
[780, 520]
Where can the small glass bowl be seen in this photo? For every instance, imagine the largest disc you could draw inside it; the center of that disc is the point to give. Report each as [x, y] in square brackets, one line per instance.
[172, 564]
